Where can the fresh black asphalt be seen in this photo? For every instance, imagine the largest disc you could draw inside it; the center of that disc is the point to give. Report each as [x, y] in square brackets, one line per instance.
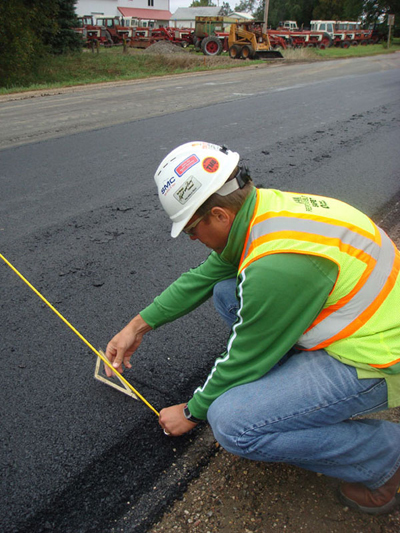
[81, 220]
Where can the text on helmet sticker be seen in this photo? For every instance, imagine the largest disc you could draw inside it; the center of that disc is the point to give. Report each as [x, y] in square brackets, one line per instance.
[210, 164]
[188, 163]
[167, 185]
[187, 190]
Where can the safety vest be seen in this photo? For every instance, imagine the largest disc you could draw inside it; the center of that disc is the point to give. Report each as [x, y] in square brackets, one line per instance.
[361, 316]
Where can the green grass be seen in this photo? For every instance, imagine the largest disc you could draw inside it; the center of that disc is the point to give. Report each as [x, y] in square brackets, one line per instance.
[358, 51]
[111, 64]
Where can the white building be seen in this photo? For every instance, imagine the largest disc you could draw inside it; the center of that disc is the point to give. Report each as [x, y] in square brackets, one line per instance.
[184, 17]
[243, 17]
[134, 12]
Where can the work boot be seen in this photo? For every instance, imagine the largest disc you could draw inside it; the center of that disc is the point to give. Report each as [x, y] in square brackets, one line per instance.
[378, 501]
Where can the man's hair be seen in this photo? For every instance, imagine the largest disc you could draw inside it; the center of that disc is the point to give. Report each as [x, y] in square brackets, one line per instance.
[232, 201]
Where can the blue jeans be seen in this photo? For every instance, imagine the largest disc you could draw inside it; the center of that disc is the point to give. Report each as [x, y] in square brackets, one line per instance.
[301, 413]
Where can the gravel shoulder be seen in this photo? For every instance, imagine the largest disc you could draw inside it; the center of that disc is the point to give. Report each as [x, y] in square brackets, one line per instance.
[235, 495]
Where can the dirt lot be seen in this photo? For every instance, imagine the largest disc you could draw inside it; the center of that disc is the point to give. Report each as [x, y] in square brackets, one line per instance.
[234, 495]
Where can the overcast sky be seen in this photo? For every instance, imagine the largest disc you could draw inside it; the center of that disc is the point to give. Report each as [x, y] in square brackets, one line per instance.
[174, 4]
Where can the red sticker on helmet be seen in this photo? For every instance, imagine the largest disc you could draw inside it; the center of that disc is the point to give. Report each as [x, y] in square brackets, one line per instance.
[210, 164]
[189, 162]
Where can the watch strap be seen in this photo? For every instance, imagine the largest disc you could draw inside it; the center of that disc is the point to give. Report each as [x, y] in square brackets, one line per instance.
[189, 416]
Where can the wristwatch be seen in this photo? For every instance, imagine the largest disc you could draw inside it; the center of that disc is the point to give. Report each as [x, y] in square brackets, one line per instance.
[189, 416]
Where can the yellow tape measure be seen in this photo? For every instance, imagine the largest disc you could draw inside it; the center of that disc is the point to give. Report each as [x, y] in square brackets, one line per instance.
[99, 355]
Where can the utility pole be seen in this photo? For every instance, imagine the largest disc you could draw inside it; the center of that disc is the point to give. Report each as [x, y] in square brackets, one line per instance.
[390, 23]
[266, 9]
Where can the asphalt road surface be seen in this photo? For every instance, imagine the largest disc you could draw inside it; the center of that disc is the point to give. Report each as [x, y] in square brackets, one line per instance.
[80, 219]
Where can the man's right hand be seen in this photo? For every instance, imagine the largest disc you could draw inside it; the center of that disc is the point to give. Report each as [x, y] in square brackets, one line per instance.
[122, 346]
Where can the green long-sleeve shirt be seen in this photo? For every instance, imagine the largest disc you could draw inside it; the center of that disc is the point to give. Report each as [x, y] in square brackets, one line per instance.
[279, 297]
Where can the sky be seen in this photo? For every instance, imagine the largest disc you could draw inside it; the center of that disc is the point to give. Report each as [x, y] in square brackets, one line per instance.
[174, 4]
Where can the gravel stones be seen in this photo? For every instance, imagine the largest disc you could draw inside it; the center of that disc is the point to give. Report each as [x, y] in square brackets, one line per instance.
[164, 47]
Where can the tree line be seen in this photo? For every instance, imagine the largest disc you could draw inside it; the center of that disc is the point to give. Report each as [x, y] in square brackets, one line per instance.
[32, 29]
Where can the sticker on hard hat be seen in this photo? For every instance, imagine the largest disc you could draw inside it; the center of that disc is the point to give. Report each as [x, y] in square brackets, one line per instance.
[210, 164]
[187, 190]
[188, 163]
[167, 186]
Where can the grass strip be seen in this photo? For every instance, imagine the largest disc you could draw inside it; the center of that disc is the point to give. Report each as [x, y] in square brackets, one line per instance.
[111, 64]
[358, 51]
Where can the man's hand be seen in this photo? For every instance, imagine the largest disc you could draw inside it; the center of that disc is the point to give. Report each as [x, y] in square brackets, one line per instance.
[173, 421]
[122, 346]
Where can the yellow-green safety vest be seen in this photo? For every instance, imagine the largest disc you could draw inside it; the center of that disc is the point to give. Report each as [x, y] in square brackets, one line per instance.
[361, 316]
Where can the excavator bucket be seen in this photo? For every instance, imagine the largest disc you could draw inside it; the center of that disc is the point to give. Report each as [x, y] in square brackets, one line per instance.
[268, 54]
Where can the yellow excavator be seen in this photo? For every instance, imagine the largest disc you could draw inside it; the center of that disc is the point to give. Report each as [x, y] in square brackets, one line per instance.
[248, 41]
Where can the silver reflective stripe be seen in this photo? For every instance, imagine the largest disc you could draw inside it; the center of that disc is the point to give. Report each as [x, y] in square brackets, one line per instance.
[343, 317]
[324, 229]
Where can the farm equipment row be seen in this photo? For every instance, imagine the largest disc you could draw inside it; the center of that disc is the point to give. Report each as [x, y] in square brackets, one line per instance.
[326, 33]
[109, 31]
[214, 35]
[323, 34]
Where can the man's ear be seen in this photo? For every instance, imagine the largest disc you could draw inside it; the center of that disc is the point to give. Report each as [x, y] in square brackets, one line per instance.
[223, 214]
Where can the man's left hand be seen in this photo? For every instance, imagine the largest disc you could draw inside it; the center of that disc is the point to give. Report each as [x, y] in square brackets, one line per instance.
[173, 421]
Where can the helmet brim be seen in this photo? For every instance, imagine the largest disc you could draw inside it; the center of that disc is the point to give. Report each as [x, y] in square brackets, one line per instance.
[177, 227]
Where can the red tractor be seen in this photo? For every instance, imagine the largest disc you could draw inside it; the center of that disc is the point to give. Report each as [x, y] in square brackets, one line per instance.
[145, 37]
[141, 38]
[173, 35]
[90, 32]
[115, 33]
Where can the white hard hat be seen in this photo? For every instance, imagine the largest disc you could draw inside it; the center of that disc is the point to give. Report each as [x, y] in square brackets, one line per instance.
[189, 175]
